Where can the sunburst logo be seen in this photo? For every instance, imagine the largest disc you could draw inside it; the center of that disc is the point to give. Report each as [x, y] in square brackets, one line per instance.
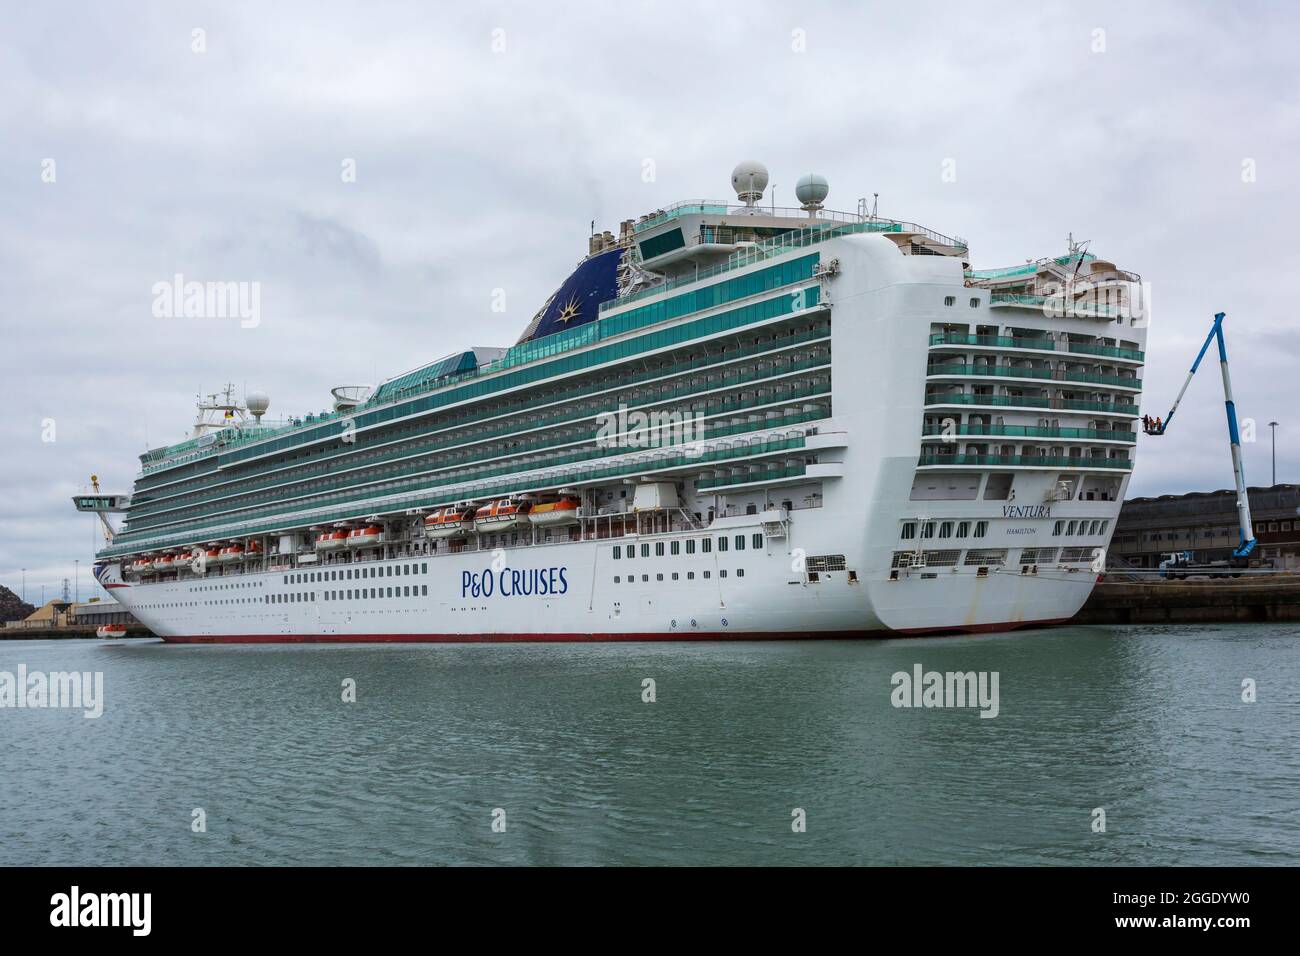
[569, 310]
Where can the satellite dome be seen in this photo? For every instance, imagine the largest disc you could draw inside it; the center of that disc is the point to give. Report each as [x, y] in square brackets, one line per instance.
[811, 190]
[749, 179]
[257, 403]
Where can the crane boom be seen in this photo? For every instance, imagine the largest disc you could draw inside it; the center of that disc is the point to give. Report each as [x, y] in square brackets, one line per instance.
[1158, 427]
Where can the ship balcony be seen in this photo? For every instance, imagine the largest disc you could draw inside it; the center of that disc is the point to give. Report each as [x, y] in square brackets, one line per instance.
[1010, 343]
[959, 399]
[1057, 307]
[1100, 435]
[791, 472]
[1057, 462]
[1032, 373]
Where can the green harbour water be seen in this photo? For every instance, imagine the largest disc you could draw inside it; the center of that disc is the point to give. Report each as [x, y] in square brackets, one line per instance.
[1145, 722]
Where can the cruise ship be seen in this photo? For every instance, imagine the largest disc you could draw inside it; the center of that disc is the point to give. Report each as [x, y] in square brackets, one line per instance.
[732, 421]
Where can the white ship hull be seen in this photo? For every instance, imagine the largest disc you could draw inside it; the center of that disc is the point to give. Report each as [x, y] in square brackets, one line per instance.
[568, 592]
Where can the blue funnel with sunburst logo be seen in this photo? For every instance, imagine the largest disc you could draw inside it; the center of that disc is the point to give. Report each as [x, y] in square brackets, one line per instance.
[577, 301]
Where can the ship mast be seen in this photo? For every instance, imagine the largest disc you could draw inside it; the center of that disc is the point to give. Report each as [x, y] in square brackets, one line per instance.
[221, 410]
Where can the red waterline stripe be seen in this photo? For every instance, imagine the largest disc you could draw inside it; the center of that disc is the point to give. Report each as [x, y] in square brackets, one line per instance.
[591, 638]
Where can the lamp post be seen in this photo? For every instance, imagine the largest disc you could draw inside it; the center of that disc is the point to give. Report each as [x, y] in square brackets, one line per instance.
[1272, 426]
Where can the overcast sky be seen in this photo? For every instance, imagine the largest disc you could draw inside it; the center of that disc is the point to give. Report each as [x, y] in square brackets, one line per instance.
[486, 137]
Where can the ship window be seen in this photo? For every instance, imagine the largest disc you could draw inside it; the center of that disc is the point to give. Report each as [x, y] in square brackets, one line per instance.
[618, 553]
[675, 575]
[1056, 528]
[740, 572]
[963, 529]
[645, 550]
[949, 300]
[659, 577]
[617, 579]
[758, 541]
[945, 529]
[645, 577]
[981, 528]
[690, 545]
[708, 574]
[406, 590]
[1070, 528]
[676, 546]
[927, 529]
[659, 549]
[740, 542]
[690, 575]
[722, 544]
[424, 567]
[909, 529]
[975, 303]
[424, 590]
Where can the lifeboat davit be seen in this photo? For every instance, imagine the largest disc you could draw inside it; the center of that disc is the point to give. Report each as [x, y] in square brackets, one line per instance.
[142, 565]
[111, 630]
[231, 554]
[552, 514]
[502, 515]
[449, 523]
[331, 540]
[370, 536]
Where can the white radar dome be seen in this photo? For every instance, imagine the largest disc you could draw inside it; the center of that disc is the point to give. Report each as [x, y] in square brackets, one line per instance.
[258, 403]
[749, 180]
[811, 190]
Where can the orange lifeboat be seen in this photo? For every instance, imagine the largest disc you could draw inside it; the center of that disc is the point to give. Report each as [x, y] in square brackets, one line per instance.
[370, 536]
[111, 630]
[230, 554]
[449, 523]
[502, 515]
[553, 514]
[253, 550]
[142, 565]
[331, 540]
[164, 562]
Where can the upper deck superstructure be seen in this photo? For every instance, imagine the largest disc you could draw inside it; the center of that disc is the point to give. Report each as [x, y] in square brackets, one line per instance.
[840, 391]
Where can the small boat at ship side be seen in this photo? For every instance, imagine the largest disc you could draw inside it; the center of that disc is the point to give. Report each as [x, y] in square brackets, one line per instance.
[331, 540]
[368, 536]
[451, 522]
[231, 554]
[505, 514]
[554, 514]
